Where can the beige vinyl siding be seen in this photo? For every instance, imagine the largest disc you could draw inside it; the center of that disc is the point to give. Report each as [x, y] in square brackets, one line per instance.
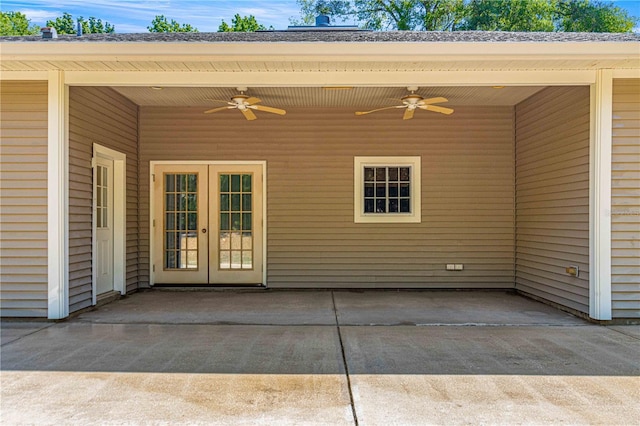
[23, 199]
[625, 199]
[312, 241]
[552, 195]
[98, 115]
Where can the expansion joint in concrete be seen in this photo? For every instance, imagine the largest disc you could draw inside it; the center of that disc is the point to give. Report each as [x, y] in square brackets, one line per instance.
[344, 361]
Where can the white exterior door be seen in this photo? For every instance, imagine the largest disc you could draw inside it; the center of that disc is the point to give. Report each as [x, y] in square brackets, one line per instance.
[103, 213]
[207, 224]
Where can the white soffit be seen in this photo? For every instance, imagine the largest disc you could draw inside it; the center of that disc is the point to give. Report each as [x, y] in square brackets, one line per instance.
[361, 97]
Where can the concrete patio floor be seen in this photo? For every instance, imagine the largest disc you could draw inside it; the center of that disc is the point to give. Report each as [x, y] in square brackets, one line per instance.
[320, 357]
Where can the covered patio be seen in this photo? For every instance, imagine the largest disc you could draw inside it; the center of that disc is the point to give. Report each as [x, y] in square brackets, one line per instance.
[320, 357]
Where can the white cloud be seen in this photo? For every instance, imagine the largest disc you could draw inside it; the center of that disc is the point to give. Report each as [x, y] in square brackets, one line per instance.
[36, 15]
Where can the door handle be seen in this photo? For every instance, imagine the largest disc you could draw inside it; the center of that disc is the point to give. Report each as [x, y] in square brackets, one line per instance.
[204, 230]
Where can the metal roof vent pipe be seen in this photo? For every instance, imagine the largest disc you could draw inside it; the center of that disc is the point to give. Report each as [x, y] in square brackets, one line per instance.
[79, 32]
[322, 21]
[49, 32]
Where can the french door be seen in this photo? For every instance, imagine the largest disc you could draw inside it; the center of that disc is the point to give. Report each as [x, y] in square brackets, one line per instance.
[207, 224]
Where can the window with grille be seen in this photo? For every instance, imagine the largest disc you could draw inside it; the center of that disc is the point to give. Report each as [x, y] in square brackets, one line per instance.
[387, 189]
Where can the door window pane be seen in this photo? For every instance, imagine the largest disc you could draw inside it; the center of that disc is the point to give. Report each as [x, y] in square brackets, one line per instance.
[181, 221]
[235, 248]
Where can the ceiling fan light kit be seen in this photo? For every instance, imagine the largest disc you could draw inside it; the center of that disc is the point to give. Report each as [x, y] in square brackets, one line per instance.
[414, 101]
[247, 104]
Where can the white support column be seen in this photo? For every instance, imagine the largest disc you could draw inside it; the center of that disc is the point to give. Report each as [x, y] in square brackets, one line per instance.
[600, 196]
[57, 197]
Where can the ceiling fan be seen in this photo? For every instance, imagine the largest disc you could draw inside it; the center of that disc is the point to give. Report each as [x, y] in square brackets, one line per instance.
[412, 102]
[246, 104]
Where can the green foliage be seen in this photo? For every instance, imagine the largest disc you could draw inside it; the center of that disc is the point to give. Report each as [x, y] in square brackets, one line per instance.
[509, 15]
[16, 24]
[593, 16]
[242, 24]
[334, 9]
[65, 24]
[161, 24]
[482, 15]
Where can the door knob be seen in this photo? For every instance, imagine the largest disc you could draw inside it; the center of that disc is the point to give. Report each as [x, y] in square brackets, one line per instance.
[204, 230]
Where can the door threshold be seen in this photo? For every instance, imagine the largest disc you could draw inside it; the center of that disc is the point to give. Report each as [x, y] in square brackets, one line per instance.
[208, 286]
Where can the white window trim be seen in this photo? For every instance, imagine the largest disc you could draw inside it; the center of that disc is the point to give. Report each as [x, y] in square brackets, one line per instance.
[359, 163]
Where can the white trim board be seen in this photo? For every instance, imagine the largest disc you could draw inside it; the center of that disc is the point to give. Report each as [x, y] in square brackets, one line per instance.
[119, 220]
[152, 166]
[58, 197]
[600, 142]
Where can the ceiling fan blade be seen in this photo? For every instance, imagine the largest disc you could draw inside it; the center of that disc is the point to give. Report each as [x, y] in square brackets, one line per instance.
[435, 108]
[268, 109]
[248, 114]
[432, 101]
[408, 114]
[218, 109]
[379, 109]
[251, 101]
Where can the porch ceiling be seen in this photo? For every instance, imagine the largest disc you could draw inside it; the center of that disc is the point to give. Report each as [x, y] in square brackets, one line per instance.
[357, 97]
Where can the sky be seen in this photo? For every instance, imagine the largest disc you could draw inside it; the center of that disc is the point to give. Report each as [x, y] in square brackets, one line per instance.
[131, 16]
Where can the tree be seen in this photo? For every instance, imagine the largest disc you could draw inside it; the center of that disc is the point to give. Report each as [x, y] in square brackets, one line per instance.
[334, 9]
[65, 24]
[16, 24]
[509, 15]
[241, 24]
[160, 24]
[592, 16]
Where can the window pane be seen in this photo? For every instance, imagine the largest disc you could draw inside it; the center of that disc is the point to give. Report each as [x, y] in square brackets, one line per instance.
[224, 183]
[235, 221]
[236, 259]
[404, 206]
[170, 203]
[236, 241]
[246, 183]
[246, 221]
[393, 174]
[368, 190]
[99, 176]
[404, 174]
[247, 260]
[235, 183]
[225, 221]
[393, 190]
[170, 260]
[381, 190]
[368, 174]
[170, 240]
[225, 241]
[225, 260]
[182, 202]
[170, 221]
[193, 183]
[404, 189]
[225, 205]
[381, 174]
[235, 202]
[246, 202]
[192, 202]
[181, 183]
[170, 183]
[368, 205]
[193, 222]
[381, 206]
[247, 241]
[393, 205]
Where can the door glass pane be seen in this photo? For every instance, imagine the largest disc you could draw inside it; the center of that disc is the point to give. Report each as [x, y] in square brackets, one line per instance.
[235, 248]
[180, 221]
[102, 197]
